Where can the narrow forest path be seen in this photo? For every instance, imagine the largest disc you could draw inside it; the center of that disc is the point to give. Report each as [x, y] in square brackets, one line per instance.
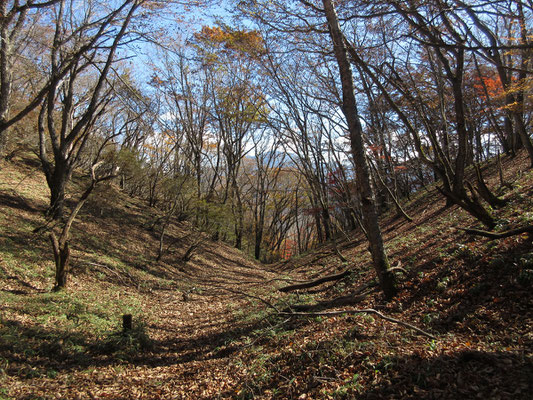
[190, 335]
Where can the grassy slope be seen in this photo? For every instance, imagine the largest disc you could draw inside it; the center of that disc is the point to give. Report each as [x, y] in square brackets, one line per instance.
[472, 293]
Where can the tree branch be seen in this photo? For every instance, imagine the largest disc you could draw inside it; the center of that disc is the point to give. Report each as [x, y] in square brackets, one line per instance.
[265, 302]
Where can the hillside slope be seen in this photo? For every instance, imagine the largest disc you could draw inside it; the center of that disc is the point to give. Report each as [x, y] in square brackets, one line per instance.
[474, 294]
[207, 328]
[68, 344]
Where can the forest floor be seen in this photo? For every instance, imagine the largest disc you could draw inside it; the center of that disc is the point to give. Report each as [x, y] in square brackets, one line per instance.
[211, 327]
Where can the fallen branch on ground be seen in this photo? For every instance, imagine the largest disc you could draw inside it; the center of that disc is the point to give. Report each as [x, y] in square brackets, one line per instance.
[363, 311]
[277, 279]
[498, 235]
[398, 268]
[333, 313]
[316, 282]
[191, 250]
[353, 298]
[120, 276]
[349, 300]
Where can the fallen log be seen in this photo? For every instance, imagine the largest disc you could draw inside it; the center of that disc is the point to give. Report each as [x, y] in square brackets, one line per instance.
[316, 282]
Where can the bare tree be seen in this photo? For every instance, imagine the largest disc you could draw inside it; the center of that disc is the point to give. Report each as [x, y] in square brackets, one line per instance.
[60, 245]
[67, 115]
[349, 107]
[15, 34]
[269, 162]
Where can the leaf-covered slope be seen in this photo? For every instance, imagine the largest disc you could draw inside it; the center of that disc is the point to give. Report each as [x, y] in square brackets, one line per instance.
[472, 293]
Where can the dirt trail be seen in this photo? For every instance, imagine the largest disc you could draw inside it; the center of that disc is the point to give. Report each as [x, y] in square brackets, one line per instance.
[191, 335]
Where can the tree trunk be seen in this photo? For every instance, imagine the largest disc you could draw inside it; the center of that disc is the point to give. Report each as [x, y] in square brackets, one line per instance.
[458, 103]
[57, 194]
[61, 257]
[485, 192]
[3, 141]
[258, 239]
[239, 224]
[518, 113]
[257, 248]
[459, 194]
[61, 246]
[327, 223]
[349, 107]
[320, 235]
[6, 76]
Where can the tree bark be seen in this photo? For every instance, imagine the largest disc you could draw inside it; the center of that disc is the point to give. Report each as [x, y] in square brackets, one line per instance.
[485, 192]
[60, 245]
[57, 186]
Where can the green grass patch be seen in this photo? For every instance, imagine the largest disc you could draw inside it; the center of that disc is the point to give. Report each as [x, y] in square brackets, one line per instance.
[68, 324]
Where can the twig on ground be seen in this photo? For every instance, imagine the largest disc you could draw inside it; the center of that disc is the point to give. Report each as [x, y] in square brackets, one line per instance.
[400, 269]
[348, 300]
[262, 336]
[270, 281]
[120, 276]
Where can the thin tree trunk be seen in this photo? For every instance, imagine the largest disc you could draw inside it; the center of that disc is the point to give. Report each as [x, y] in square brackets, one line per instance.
[239, 217]
[349, 106]
[60, 245]
[6, 76]
[520, 98]
[397, 204]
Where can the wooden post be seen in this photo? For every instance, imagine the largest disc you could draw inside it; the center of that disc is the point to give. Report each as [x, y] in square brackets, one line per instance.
[127, 322]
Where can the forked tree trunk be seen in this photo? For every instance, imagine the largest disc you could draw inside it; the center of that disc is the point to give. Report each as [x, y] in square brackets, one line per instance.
[485, 192]
[349, 106]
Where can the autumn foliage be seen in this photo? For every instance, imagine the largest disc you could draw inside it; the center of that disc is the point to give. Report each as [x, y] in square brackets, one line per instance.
[239, 41]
